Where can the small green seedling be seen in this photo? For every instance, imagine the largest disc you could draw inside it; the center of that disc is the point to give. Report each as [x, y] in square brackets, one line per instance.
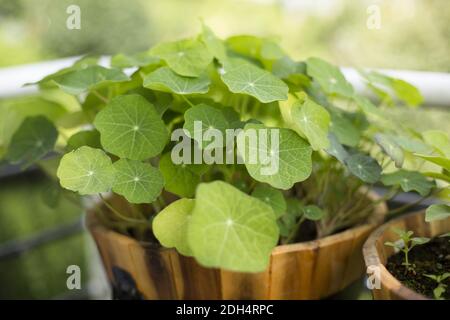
[406, 243]
[441, 286]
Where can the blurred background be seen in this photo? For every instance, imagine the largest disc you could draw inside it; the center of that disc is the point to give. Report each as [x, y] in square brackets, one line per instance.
[411, 35]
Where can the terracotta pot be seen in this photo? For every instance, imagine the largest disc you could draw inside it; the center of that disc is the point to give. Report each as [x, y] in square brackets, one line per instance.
[308, 270]
[376, 254]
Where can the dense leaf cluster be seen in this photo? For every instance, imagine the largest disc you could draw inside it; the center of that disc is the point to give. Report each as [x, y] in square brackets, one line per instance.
[115, 136]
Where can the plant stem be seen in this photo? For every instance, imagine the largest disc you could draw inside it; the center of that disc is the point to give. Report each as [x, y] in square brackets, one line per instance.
[407, 206]
[100, 96]
[175, 121]
[118, 214]
[294, 232]
[406, 258]
[187, 100]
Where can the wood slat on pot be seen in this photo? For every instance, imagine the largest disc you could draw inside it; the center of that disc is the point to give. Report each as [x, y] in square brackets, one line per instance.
[291, 271]
[355, 261]
[237, 285]
[152, 271]
[193, 281]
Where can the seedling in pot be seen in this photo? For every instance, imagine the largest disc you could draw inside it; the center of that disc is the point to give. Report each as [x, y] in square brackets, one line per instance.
[405, 244]
[441, 286]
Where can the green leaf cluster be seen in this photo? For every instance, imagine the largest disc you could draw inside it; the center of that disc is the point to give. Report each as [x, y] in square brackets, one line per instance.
[118, 131]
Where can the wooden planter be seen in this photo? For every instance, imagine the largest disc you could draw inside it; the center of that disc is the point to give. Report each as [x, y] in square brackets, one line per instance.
[376, 253]
[309, 270]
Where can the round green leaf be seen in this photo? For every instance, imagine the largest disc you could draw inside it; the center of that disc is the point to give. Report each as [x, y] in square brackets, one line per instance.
[437, 212]
[140, 59]
[329, 77]
[440, 161]
[164, 79]
[180, 179]
[170, 226]
[89, 138]
[138, 182]
[408, 180]
[312, 120]
[312, 212]
[130, 127]
[230, 229]
[213, 43]
[291, 163]
[209, 118]
[344, 130]
[272, 197]
[439, 140]
[364, 167]
[79, 81]
[186, 57]
[336, 149]
[391, 148]
[369, 109]
[35, 137]
[411, 144]
[86, 171]
[243, 77]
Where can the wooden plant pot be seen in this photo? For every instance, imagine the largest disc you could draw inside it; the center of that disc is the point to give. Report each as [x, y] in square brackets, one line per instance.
[376, 254]
[309, 270]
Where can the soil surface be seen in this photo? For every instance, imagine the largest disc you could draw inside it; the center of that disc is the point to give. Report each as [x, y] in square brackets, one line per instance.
[430, 258]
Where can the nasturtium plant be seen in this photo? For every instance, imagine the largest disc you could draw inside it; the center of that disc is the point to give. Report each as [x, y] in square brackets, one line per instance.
[138, 182]
[329, 77]
[86, 170]
[79, 81]
[165, 79]
[273, 197]
[188, 57]
[170, 226]
[241, 76]
[313, 121]
[285, 163]
[130, 127]
[35, 137]
[437, 212]
[231, 229]
[223, 149]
